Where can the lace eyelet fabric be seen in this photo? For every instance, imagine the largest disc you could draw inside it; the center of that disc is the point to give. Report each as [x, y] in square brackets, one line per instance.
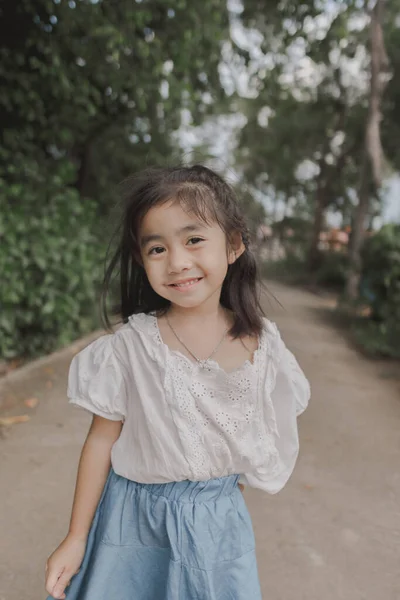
[214, 408]
[184, 422]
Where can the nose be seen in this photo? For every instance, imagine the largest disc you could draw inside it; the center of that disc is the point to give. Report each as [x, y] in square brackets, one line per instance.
[178, 260]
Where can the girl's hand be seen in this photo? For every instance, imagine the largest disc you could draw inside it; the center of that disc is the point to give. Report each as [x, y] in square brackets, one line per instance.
[241, 487]
[63, 564]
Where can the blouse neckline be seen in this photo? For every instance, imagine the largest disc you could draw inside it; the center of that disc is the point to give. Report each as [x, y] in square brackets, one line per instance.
[212, 365]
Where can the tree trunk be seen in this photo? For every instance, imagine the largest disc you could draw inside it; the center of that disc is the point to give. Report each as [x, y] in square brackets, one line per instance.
[379, 80]
[358, 234]
[373, 150]
[319, 214]
[328, 176]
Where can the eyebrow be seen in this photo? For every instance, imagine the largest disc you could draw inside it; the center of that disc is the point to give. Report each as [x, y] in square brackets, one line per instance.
[155, 237]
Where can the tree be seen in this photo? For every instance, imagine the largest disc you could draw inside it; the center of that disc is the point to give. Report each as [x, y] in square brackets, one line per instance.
[90, 91]
[373, 153]
[79, 74]
[314, 119]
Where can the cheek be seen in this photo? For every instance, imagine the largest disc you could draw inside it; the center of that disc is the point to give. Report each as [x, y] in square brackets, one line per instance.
[217, 262]
[152, 271]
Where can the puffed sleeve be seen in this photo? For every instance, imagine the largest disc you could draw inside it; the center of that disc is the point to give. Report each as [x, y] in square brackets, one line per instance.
[96, 381]
[290, 398]
[294, 379]
[287, 399]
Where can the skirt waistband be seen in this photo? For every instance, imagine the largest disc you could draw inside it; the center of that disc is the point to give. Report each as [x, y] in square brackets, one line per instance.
[185, 491]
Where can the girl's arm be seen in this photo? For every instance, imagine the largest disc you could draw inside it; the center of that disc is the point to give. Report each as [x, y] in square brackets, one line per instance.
[94, 466]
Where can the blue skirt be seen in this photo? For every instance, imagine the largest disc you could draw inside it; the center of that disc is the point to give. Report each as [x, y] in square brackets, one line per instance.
[174, 541]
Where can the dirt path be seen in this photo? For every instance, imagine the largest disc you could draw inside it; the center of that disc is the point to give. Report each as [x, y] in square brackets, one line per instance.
[332, 534]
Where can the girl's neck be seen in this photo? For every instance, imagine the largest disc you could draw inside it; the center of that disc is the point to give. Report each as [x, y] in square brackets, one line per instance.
[201, 315]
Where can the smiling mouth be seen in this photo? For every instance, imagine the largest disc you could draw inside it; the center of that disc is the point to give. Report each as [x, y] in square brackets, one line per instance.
[186, 284]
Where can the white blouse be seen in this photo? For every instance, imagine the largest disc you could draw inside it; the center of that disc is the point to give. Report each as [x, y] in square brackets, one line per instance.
[181, 421]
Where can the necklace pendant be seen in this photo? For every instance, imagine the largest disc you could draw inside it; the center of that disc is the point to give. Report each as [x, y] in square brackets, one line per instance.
[202, 363]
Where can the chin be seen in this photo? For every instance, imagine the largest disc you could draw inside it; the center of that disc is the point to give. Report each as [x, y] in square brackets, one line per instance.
[187, 303]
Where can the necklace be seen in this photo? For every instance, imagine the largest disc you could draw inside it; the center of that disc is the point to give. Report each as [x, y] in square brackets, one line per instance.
[201, 362]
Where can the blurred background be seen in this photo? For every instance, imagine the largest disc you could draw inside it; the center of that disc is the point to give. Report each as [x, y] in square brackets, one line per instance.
[296, 103]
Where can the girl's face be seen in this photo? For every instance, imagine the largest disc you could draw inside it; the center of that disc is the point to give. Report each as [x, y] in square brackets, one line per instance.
[186, 260]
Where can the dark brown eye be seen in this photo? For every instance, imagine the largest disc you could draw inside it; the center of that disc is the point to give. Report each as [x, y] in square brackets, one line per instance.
[152, 251]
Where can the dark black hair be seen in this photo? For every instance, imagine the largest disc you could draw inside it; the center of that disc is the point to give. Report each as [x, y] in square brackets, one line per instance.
[205, 194]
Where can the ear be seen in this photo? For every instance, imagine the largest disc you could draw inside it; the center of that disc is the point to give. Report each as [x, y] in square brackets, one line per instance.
[236, 247]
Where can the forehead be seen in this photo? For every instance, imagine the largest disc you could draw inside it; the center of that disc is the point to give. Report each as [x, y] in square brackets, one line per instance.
[171, 218]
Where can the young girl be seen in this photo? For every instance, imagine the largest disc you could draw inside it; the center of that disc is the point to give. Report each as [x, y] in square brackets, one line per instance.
[195, 393]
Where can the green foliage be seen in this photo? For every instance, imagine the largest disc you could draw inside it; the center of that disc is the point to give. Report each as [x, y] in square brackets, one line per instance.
[104, 82]
[254, 211]
[92, 91]
[381, 275]
[379, 333]
[291, 270]
[304, 136]
[50, 260]
[332, 270]
[331, 273]
[377, 339]
[390, 125]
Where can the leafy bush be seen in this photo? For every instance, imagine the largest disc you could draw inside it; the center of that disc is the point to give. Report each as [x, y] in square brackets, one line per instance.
[380, 288]
[291, 269]
[50, 260]
[377, 339]
[332, 272]
[381, 273]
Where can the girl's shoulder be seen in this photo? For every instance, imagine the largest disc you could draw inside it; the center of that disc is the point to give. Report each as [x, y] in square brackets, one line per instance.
[270, 335]
[270, 327]
[272, 343]
[142, 323]
[113, 343]
[112, 356]
[138, 337]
